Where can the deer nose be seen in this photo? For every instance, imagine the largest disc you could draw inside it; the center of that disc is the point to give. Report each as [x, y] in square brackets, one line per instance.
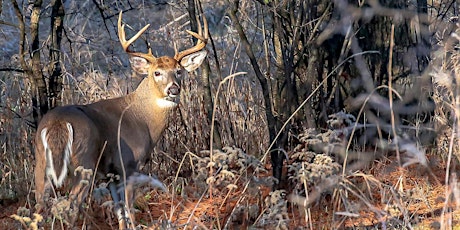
[174, 90]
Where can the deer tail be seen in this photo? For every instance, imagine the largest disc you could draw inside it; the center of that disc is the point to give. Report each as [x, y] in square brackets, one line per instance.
[57, 141]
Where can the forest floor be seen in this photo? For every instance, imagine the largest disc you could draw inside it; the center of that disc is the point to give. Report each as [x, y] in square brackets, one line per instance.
[427, 208]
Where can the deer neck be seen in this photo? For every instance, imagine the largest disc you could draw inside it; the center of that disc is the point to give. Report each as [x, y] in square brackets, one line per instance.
[145, 106]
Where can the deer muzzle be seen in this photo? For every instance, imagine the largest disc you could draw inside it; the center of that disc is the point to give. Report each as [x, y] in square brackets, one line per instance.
[173, 92]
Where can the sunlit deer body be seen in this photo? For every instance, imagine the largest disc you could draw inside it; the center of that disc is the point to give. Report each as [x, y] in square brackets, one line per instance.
[94, 136]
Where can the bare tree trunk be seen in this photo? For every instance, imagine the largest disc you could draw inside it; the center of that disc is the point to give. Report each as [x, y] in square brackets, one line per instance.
[40, 99]
[277, 162]
[45, 94]
[55, 81]
[34, 71]
[205, 79]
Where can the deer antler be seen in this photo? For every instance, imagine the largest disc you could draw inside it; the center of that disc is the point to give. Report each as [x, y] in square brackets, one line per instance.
[202, 39]
[125, 44]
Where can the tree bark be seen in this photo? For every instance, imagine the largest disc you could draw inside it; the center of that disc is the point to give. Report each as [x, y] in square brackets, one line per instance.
[55, 80]
[205, 79]
[277, 160]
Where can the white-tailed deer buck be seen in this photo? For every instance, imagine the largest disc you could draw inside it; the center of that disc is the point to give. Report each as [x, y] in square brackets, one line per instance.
[113, 136]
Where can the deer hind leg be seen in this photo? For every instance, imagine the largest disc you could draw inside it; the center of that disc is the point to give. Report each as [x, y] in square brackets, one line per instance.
[40, 181]
[46, 150]
[81, 184]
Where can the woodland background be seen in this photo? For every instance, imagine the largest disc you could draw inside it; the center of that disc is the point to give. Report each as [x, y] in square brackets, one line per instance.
[319, 114]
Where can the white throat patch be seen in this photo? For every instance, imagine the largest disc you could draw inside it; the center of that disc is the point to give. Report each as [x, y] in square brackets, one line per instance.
[166, 104]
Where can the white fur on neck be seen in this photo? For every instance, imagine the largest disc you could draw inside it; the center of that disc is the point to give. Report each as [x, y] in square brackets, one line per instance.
[165, 104]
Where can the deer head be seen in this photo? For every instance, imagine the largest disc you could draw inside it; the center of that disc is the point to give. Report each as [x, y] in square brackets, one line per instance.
[117, 134]
[164, 70]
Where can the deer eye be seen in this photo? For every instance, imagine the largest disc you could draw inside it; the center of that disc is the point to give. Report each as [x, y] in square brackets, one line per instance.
[157, 73]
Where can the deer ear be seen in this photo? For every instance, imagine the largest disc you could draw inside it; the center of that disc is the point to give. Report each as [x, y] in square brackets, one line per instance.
[193, 61]
[139, 65]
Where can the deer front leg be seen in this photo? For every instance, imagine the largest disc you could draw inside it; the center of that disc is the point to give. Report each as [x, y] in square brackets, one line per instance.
[120, 205]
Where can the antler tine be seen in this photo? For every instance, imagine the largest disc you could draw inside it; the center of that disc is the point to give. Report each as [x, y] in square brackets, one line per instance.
[125, 44]
[202, 39]
[206, 34]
